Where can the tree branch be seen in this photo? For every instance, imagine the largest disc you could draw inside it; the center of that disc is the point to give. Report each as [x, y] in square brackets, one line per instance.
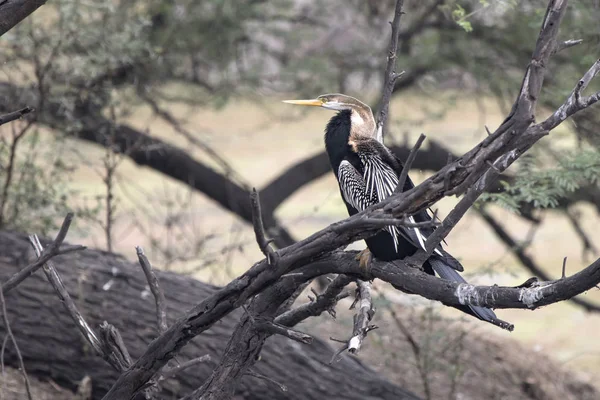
[259, 229]
[14, 11]
[408, 165]
[157, 292]
[526, 261]
[362, 318]
[325, 301]
[14, 115]
[390, 76]
[53, 249]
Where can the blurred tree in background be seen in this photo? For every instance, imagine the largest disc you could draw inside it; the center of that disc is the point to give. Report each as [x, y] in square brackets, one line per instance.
[86, 67]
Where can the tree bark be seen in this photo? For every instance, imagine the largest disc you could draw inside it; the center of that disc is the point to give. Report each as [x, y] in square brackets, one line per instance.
[107, 287]
[14, 11]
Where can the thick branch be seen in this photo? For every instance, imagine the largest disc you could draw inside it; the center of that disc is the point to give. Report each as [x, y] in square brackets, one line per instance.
[526, 260]
[14, 11]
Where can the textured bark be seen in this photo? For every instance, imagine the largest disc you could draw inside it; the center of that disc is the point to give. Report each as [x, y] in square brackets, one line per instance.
[14, 11]
[52, 347]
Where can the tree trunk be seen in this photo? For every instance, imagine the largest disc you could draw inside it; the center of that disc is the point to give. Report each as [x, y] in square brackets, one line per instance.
[107, 287]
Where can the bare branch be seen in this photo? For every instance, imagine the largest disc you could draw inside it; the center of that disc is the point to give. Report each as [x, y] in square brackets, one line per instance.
[277, 329]
[65, 298]
[566, 44]
[259, 229]
[53, 249]
[390, 76]
[14, 115]
[266, 378]
[325, 301]
[409, 161]
[574, 102]
[157, 292]
[13, 12]
[527, 261]
[171, 372]
[110, 346]
[362, 318]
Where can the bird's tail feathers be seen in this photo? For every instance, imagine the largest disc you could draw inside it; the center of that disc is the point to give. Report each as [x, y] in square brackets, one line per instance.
[485, 314]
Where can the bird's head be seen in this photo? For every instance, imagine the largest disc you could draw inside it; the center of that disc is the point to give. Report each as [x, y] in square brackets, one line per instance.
[362, 119]
[334, 101]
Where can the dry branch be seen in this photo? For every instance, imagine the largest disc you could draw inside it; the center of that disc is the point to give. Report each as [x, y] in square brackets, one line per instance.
[325, 301]
[52, 250]
[14, 115]
[527, 261]
[259, 229]
[159, 296]
[14, 11]
[408, 165]
[362, 318]
[390, 76]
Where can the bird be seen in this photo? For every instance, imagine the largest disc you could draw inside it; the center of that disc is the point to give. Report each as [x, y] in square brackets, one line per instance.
[368, 172]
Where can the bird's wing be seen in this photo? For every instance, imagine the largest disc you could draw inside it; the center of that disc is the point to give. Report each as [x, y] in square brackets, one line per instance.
[352, 185]
[381, 180]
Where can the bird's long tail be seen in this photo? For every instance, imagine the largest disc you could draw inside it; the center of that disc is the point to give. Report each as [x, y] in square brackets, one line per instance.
[484, 314]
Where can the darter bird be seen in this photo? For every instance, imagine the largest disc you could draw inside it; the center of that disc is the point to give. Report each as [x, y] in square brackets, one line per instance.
[367, 173]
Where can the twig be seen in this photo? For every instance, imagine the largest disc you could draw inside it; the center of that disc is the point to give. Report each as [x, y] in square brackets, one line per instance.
[362, 318]
[14, 341]
[274, 328]
[110, 345]
[409, 161]
[564, 268]
[337, 353]
[325, 301]
[114, 346]
[65, 298]
[266, 378]
[390, 76]
[53, 249]
[171, 372]
[14, 115]
[382, 222]
[157, 292]
[560, 46]
[259, 229]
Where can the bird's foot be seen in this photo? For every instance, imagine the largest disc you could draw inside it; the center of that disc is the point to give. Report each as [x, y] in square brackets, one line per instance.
[364, 258]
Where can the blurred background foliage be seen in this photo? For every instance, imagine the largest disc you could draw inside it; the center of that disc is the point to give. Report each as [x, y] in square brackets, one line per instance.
[204, 77]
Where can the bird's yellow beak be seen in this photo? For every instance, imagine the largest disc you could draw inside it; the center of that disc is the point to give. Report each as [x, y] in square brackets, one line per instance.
[313, 102]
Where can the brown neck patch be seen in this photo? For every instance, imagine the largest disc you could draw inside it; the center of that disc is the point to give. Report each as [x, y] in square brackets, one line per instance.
[362, 124]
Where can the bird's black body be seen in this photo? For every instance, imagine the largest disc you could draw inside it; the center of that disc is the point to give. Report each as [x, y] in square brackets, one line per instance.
[355, 161]
[337, 135]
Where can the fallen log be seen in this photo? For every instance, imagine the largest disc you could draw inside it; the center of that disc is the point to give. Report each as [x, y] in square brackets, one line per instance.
[108, 287]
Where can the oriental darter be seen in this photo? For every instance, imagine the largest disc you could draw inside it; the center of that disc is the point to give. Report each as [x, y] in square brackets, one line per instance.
[368, 172]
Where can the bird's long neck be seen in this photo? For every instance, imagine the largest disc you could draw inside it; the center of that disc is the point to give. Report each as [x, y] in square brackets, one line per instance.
[337, 135]
[362, 123]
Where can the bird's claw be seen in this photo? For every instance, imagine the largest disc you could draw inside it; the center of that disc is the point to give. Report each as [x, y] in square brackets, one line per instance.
[364, 258]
